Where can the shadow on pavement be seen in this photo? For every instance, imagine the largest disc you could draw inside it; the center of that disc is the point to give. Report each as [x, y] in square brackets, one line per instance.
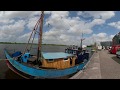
[116, 59]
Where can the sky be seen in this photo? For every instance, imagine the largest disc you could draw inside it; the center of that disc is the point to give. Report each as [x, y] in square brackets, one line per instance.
[60, 27]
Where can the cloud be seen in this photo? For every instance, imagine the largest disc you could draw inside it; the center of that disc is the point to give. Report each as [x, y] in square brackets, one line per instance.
[72, 27]
[6, 21]
[96, 38]
[24, 38]
[13, 28]
[111, 36]
[96, 22]
[115, 24]
[18, 14]
[13, 24]
[97, 14]
[64, 28]
[100, 36]
[10, 32]
[31, 22]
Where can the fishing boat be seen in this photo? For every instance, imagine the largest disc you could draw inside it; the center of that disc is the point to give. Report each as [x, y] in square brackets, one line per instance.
[44, 64]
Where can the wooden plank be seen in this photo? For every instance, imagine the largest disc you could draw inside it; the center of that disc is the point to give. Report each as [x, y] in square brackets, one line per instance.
[73, 61]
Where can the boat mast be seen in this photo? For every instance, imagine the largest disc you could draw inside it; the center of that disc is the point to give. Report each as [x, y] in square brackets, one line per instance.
[40, 36]
[81, 42]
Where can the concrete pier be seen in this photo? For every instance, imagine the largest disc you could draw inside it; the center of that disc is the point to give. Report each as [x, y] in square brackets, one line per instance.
[102, 65]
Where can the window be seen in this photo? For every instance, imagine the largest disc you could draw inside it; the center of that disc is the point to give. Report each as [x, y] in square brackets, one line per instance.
[74, 52]
[50, 60]
[65, 58]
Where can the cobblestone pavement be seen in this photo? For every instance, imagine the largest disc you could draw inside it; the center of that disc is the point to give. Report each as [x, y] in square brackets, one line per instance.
[101, 66]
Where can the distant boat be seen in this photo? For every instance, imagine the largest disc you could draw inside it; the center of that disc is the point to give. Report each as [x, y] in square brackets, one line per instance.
[44, 64]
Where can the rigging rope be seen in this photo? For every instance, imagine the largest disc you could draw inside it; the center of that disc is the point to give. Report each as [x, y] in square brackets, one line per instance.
[34, 30]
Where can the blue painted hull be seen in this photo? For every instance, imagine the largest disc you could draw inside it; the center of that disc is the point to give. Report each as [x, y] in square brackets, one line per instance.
[44, 73]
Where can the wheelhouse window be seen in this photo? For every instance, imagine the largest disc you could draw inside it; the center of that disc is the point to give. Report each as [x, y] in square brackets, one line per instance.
[65, 59]
[50, 60]
[74, 52]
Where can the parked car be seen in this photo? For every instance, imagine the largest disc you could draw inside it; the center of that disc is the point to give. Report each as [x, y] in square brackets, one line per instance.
[114, 49]
[118, 53]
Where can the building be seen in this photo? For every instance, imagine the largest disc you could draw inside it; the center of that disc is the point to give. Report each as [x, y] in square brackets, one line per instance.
[106, 43]
[116, 39]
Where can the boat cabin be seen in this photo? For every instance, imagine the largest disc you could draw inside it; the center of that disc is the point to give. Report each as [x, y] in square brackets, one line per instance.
[58, 60]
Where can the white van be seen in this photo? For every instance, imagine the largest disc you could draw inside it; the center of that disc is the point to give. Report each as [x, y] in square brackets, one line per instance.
[99, 47]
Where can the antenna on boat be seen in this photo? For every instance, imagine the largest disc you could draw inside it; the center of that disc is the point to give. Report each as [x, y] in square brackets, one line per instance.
[40, 37]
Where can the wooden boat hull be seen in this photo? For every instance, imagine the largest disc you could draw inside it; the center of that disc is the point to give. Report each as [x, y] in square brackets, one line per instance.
[40, 73]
